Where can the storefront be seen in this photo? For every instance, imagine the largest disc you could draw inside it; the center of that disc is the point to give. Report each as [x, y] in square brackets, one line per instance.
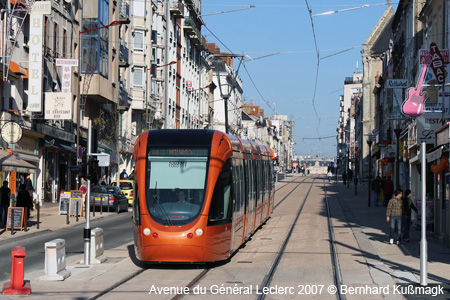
[442, 185]
[59, 153]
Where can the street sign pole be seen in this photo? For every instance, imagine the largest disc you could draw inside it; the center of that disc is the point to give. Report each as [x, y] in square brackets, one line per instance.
[87, 228]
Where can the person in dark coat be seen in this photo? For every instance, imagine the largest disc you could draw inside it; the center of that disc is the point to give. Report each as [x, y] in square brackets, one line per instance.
[5, 193]
[388, 188]
[29, 185]
[408, 206]
[24, 200]
[376, 187]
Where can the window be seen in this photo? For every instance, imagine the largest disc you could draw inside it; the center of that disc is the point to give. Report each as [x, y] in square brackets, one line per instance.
[138, 45]
[55, 41]
[221, 202]
[138, 77]
[64, 44]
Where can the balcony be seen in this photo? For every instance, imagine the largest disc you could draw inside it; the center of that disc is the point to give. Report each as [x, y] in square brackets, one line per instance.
[123, 55]
[177, 8]
[189, 25]
[198, 40]
[124, 104]
[124, 12]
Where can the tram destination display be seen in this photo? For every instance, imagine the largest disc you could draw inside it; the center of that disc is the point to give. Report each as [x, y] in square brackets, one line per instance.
[18, 218]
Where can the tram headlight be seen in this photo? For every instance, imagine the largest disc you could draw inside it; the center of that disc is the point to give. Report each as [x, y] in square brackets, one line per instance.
[147, 231]
[199, 232]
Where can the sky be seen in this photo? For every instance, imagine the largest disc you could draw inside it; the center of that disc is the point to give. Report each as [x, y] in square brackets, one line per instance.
[285, 76]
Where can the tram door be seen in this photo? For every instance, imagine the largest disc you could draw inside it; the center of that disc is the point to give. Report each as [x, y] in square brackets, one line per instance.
[249, 198]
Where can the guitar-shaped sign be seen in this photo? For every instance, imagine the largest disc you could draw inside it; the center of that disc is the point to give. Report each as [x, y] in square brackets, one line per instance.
[413, 105]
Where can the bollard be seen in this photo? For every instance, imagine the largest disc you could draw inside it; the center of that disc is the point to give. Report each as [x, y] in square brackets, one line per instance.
[55, 261]
[93, 207]
[12, 221]
[67, 215]
[96, 248]
[76, 214]
[17, 286]
[101, 206]
[107, 199]
[25, 219]
[38, 208]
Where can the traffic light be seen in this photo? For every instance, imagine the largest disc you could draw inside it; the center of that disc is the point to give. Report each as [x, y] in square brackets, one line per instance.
[92, 168]
[80, 170]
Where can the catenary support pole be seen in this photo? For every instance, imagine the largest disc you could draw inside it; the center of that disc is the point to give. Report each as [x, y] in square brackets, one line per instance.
[423, 241]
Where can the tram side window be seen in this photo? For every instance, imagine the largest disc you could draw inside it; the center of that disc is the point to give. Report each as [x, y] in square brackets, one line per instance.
[221, 205]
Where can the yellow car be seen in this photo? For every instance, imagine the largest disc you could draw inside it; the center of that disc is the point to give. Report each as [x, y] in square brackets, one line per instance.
[127, 187]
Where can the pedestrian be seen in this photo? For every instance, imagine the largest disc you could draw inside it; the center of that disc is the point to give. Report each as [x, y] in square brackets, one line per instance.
[131, 176]
[344, 177]
[376, 186]
[124, 174]
[29, 185]
[5, 193]
[24, 200]
[388, 188]
[394, 216]
[104, 180]
[350, 175]
[329, 175]
[408, 206]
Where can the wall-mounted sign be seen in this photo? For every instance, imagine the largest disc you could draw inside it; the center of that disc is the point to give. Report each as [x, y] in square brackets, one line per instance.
[437, 63]
[38, 10]
[58, 106]
[66, 78]
[11, 132]
[397, 84]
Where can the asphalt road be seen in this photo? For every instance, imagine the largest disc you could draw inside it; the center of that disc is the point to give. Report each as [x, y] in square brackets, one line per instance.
[117, 230]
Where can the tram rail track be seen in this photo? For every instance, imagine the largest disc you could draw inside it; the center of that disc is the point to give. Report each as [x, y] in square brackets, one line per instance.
[334, 256]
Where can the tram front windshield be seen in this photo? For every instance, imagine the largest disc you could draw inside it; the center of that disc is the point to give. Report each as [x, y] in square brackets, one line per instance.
[176, 184]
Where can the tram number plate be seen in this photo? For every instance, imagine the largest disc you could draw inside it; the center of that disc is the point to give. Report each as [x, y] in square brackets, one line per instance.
[177, 164]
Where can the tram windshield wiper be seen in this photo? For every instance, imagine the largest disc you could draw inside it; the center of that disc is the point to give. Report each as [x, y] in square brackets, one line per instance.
[156, 198]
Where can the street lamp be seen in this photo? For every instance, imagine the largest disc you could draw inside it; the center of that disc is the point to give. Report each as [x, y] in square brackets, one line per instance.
[369, 142]
[225, 93]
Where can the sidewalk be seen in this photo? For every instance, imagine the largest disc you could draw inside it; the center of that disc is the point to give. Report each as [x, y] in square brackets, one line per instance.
[49, 220]
[401, 261]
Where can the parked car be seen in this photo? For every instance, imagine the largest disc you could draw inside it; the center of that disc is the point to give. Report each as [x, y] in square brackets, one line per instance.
[127, 187]
[109, 194]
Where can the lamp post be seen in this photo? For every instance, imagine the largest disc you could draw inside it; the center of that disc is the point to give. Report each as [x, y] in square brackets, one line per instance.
[80, 64]
[231, 81]
[369, 142]
[87, 229]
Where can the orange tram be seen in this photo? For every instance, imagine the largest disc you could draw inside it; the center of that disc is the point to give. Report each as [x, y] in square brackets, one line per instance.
[200, 194]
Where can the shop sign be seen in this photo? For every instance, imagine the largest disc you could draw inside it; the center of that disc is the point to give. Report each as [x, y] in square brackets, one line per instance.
[57, 133]
[442, 138]
[397, 84]
[58, 106]
[422, 129]
[38, 10]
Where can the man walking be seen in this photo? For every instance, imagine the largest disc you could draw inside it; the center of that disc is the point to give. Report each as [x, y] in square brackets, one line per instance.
[394, 216]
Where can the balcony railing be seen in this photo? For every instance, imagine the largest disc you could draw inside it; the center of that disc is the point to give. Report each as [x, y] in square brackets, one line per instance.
[123, 96]
[177, 8]
[123, 55]
[189, 25]
[124, 11]
[198, 39]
